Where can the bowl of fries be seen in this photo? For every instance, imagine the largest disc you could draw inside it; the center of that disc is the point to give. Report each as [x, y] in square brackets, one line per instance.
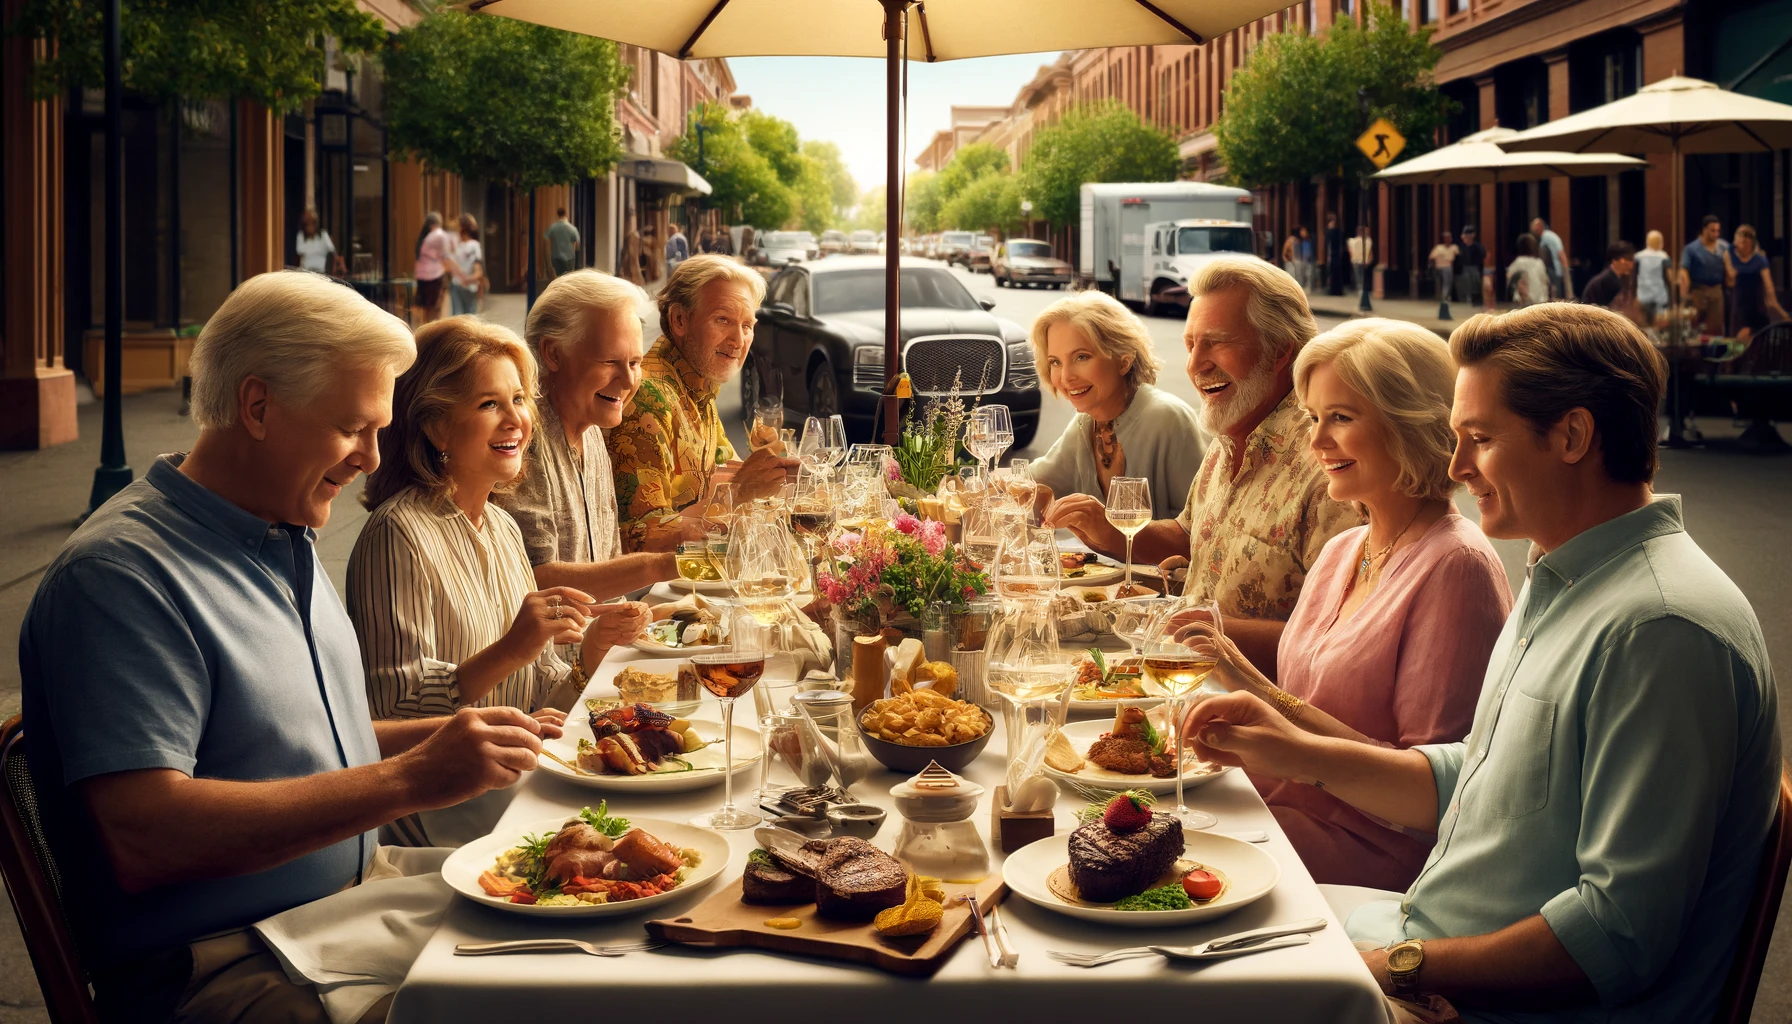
[907, 731]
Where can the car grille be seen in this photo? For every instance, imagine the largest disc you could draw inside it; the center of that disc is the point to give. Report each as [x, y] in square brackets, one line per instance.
[868, 375]
[974, 365]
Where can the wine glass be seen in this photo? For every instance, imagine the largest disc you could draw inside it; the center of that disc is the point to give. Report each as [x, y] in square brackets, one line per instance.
[1032, 676]
[729, 675]
[1175, 671]
[980, 437]
[1134, 618]
[718, 512]
[1021, 486]
[1026, 564]
[767, 422]
[1129, 509]
[979, 536]
[1001, 425]
[822, 444]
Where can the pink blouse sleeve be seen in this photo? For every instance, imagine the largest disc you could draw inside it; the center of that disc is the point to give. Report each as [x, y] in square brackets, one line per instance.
[1451, 626]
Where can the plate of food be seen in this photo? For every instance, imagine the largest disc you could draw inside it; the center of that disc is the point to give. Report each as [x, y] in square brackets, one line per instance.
[1133, 867]
[1105, 679]
[642, 749]
[591, 864]
[1126, 752]
[693, 631]
[1087, 569]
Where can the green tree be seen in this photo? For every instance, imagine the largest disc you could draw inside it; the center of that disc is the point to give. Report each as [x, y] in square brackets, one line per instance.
[843, 190]
[968, 165]
[990, 203]
[498, 99]
[745, 186]
[873, 210]
[269, 51]
[776, 140]
[1292, 110]
[1093, 143]
[922, 202]
[814, 193]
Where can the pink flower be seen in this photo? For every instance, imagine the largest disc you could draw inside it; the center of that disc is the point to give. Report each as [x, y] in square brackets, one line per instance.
[894, 472]
[933, 537]
[907, 524]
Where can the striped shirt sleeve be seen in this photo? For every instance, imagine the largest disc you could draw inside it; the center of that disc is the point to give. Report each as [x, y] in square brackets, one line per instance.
[389, 601]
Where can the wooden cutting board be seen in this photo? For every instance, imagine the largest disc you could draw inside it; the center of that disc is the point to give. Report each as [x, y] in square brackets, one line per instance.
[723, 921]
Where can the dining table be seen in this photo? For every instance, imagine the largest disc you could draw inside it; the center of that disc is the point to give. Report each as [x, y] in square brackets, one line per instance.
[1323, 980]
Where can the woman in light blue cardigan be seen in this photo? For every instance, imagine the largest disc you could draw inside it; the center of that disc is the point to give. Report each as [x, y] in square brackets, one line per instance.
[1094, 353]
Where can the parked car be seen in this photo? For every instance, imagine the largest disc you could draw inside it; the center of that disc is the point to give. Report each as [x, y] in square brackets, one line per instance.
[834, 241]
[981, 246]
[776, 248]
[1028, 262]
[863, 243]
[821, 337]
[810, 246]
[955, 247]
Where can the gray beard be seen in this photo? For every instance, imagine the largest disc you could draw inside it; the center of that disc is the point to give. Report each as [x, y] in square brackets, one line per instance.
[1246, 395]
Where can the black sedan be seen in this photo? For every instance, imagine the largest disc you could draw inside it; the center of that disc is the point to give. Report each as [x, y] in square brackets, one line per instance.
[821, 338]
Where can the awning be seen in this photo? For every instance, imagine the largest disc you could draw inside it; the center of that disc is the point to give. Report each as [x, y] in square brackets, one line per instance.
[659, 171]
[1194, 146]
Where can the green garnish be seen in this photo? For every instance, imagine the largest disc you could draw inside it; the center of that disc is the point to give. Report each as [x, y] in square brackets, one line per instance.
[537, 847]
[1167, 897]
[761, 857]
[598, 819]
[1101, 662]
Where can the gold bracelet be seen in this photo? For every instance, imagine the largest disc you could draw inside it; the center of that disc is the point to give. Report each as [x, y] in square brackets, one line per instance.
[1287, 703]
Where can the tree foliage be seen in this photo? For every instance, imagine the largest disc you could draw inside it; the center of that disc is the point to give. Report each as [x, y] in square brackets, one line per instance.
[1292, 110]
[975, 161]
[1093, 143]
[268, 51]
[873, 210]
[990, 203]
[922, 202]
[844, 191]
[746, 187]
[498, 99]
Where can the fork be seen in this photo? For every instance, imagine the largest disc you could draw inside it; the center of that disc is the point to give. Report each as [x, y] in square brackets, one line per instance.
[553, 946]
[1272, 937]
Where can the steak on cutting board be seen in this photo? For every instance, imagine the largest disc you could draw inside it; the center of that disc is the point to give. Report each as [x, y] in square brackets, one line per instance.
[1107, 866]
[769, 883]
[854, 880]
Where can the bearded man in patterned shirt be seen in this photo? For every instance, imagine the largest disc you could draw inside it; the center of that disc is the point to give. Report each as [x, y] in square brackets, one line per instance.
[670, 450]
[1258, 514]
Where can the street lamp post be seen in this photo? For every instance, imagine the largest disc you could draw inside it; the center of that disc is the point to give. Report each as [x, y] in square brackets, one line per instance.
[113, 474]
[1362, 219]
[695, 205]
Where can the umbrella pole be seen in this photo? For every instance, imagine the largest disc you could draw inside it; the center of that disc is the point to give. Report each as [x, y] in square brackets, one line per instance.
[894, 11]
[1677, 325]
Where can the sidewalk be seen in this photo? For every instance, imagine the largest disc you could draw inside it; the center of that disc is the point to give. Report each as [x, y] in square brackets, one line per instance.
[1422, 312]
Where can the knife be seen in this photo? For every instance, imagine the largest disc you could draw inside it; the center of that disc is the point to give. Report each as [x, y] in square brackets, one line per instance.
[1259, 935]
[989, 946]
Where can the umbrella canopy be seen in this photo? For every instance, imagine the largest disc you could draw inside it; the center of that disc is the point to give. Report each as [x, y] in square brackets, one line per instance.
[936, 30]
[1478, 160]
[1683, 115]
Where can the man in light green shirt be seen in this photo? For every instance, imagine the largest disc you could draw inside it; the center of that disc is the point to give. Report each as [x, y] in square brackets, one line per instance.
[1600, 829]
[563, 244]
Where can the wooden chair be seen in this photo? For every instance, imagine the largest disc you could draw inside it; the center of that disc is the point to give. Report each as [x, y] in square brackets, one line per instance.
[1738, 997]
[35, 886]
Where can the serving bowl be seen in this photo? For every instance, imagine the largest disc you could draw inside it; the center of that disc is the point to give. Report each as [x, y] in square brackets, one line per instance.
[900, 757]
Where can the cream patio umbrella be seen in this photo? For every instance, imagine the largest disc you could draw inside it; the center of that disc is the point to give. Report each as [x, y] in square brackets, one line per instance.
[929, 30]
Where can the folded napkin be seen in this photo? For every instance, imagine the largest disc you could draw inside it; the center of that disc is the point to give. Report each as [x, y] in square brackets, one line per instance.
[357, 945]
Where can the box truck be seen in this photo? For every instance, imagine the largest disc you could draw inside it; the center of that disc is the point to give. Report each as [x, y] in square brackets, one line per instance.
[1112, 253]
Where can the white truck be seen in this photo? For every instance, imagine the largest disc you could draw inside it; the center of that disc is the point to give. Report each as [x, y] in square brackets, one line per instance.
[1113, 253]
[1175, 249]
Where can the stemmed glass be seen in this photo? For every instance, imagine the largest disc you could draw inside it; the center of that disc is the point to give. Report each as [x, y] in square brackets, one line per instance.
[718, 512]
[1001, 425]
[979, 536]
[1026, 563]
[822, 444]
[1135, 617]
[1129, 509]
[1175, 671]
[729, 675]
[767, 423]
[981, 437]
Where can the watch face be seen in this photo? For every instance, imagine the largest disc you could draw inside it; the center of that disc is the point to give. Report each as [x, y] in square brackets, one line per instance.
[1405, 958]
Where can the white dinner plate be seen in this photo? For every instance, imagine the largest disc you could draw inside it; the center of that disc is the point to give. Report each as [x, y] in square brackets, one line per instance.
[464, 866]
[706, 763]
[647, 645]
[1082, 734]
[1110, 705]
[1250, 874]
[700, 586]
[1099, 573]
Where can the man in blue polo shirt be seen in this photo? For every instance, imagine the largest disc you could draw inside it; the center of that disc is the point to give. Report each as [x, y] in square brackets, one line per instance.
[195, 711]
[1600, 830]
[1705, 273]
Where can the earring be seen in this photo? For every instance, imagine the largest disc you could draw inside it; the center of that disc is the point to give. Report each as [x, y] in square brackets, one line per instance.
[442, 457]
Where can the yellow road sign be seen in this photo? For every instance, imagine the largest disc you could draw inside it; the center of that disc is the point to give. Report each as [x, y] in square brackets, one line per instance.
[1381, 143]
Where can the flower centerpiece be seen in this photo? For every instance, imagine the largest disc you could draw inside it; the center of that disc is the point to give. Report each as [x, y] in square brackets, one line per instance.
[886, 572]
[928, 449]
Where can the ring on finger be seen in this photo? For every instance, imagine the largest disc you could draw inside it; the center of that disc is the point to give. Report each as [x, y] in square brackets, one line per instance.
[554, 606]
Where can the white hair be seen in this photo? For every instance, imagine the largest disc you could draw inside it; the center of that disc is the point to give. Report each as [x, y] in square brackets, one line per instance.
[563, 309]
[295, 330]
[1275, 303]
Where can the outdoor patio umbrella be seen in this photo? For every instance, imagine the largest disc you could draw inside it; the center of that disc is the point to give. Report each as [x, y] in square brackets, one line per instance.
[930, 30]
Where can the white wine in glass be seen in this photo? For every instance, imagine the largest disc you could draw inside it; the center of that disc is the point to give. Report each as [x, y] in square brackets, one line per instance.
[1128, 510]
[729, 675]
[1176, 671]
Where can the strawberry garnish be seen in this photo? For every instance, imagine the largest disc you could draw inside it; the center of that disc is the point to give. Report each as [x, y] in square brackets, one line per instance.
[1126, 813]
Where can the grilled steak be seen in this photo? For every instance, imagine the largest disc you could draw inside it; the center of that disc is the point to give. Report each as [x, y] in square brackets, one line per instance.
[854, 880]
[768, 882]
[1107, 866]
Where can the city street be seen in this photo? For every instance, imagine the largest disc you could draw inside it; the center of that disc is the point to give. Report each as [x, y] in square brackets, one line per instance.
[1736, 507]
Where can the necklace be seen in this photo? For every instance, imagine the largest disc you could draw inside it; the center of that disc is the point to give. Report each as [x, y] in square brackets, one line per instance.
[1106, 444]
[1362, 568]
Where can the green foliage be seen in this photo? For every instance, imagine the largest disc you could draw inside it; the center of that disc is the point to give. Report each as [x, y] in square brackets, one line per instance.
[873, 210]
[603, 821]
[973, 162]
[498, 99]
[1292, 110]
[746, 187]
[268, 51]
[991, 203]
[1093, 143]
[928, 449]
[825, 156]
[923, 201]
[776, 140]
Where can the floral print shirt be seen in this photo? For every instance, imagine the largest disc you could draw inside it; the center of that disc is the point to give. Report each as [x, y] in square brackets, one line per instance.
[1253, 537]
[667, 447]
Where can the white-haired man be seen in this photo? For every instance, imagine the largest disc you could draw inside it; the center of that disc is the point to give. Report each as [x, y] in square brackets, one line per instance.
[670, 448]
[195, 712]
[1258, 513]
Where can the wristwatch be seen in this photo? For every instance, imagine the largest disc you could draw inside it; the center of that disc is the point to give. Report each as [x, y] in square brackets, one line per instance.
[1405, 959]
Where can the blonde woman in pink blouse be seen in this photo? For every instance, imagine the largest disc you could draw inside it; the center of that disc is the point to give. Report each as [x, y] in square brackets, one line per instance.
[1390, 639]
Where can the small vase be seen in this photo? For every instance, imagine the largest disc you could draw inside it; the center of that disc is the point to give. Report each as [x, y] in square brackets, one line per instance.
[847, 626]
[939, 630]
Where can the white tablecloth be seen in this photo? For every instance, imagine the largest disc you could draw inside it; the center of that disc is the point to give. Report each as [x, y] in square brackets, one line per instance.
[1322, 981]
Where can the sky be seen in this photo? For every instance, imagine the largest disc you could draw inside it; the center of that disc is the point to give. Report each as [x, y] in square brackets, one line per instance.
[841, 99]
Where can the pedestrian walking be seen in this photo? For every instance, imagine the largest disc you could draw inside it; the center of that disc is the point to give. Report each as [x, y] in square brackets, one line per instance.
[434, 250]
[1554, 256]
[1362, 256]
[1704, 272]
[1754, 305]
[678, 249]
[1334, 255]
[1291, 253]
[633, 265]
[1652, 279]
[1527, 281]
[1307, 257]
[316, 252]
[468, 269]
[563, 244]
[1471, 267]
[1615, 286]
[1443, 271]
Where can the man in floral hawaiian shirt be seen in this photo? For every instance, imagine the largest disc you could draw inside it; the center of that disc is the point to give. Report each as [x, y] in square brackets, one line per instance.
[670, 449]
[1258, 513]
